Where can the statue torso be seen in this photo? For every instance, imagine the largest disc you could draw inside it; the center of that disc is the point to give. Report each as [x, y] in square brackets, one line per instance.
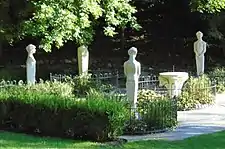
[200, 46]
[31, 61]
[131, 68]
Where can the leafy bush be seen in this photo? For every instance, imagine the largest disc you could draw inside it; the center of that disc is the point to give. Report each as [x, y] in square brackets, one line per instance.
[160, 114]
[93, 93]
[84, 84]
[196, 91]
[117, 119]
[27, 110]
[218, 75]
[146, 96]
[136, 126]
[156, 112]
[55, 88]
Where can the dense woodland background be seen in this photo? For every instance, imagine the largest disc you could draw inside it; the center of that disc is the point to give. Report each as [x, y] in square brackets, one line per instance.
[166, 39]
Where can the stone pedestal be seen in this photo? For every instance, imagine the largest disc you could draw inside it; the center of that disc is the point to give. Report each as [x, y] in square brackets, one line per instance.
[173, 81]
[31, 64]
[83, 60]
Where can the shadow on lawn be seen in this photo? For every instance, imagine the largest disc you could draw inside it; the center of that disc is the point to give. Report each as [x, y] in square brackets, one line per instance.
[14, 140]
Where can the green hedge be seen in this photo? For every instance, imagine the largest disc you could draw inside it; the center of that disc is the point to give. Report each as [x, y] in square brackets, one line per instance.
[156, 112]
[27, 110]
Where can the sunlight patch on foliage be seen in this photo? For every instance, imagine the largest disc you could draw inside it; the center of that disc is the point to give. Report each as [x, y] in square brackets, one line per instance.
[57, 21]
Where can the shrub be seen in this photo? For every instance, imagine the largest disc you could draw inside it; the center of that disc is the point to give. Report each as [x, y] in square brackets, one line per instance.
[160, 114]
[93, 93]
[136, 126]
[84, 84]
[146, 96]
[26, 110]
[117, 118]
[55, 88]
[196, 91]
[218, 75]
[156, 112]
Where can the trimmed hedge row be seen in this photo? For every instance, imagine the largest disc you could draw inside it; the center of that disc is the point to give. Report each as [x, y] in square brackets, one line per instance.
[28, 111]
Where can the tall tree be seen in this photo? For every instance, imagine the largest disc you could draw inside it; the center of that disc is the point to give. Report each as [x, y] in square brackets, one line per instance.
[57, 21]
[12, 13]
[210, 6]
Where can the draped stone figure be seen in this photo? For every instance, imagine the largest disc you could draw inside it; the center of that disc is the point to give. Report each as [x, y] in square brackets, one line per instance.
[31, 64]
[200, 49]
[132, 71]
[83, 60]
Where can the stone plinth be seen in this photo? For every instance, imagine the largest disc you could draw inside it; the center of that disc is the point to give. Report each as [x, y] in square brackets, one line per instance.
[173, 81]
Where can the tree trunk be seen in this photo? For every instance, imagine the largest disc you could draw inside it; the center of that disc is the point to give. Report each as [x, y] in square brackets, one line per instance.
[1, 50]
[223, 47]
[122, 39]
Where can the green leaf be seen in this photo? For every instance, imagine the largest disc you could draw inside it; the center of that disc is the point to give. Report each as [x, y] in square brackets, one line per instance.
[55, 22]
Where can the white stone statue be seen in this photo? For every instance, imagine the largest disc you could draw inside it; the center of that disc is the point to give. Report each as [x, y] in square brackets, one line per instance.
[132, 71]
[83, 60]
[31, 64]
[200, 49]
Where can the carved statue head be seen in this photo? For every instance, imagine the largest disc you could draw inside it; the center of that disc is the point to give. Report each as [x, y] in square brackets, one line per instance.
[199, 35]
[132, 51]
[83, 49]
[31, 49]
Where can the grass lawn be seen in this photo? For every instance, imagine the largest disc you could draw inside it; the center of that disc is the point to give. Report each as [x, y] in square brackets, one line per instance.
[19, 141]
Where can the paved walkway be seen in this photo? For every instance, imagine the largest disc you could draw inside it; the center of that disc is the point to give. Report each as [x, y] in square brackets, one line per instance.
[191, 123]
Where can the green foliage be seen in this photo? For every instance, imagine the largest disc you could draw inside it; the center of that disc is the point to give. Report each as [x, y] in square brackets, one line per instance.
[146, 96]
[218, 76]
[84, 84]
[117, 118]
[160, 114]
[156, 112]
[136, 126]
[196, 91]
[11, 15]
[58, 21]
[26, 109]
[210, 6]
[93, 93]
[5, 25]
[54, 88]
